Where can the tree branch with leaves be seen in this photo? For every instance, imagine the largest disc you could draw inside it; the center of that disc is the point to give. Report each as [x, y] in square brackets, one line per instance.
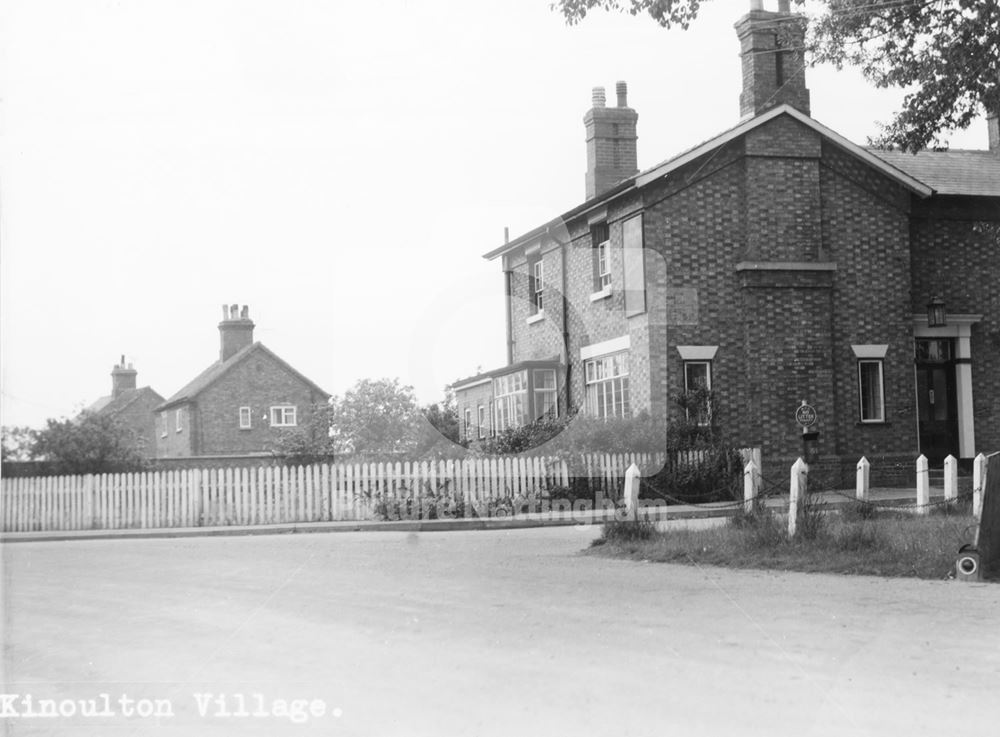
[945, 53]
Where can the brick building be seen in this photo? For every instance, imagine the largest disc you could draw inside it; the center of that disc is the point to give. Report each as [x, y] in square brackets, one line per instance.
[132, 407]
[239, 404]
[776, 263]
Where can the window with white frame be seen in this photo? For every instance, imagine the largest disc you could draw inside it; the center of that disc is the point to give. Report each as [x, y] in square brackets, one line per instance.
[481, 417]
[871, 390]
[178, 419]
[510, 393]
[546, 394]
[246, 423]
[284, 416]
[468, 423]
[601, 243]
[607, 386]
[163, 425]
[536, 284]
[698, 378]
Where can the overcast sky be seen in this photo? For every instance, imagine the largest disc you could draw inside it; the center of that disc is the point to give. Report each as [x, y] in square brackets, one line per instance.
[340, 167]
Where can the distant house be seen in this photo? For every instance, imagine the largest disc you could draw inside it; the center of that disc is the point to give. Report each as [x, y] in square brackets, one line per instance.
[239, 404]
[131, 407]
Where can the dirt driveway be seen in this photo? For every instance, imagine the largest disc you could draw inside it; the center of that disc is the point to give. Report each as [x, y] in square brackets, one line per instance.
[477, 633]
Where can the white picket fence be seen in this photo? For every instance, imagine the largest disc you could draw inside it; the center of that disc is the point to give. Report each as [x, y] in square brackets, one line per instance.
[273, 495]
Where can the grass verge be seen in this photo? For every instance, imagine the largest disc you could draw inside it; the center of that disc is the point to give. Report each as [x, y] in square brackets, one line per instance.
[855, 539]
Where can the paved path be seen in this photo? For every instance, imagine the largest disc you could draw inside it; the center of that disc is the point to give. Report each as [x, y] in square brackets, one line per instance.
[492, 633]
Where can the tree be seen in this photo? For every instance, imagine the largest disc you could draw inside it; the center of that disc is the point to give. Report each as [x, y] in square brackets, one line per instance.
[944, 51]
[311, 442]
[375, 417]
[91, 443]
[443, 416]
[17, 442]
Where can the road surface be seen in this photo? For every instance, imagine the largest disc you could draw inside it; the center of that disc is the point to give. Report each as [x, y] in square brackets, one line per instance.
[477, 633]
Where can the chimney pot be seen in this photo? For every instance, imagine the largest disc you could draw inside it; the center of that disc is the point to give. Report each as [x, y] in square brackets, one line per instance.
[621, 88]
[784, 6]
[225, 312]
[756, 4]
[235, 331]
[598, 97]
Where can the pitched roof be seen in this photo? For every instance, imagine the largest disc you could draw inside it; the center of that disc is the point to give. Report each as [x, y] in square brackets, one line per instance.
[220, 368]
[957, 172]
[891, 169]
[113, 405]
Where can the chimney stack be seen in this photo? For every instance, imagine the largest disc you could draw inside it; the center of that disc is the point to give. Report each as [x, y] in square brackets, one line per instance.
[993, 128]
[611, 141]
[235, 331]
[772, 45]
[122, 378]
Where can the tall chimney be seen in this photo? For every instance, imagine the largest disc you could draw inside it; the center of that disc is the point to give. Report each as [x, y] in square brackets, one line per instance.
[235, 331]
[993, 128]
[772, 46]
[611, 141]
[122, 378]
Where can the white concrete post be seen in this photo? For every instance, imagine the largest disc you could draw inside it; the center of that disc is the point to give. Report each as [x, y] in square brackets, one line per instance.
[950, 478]
[978, 484]
[923, 485]
[797, 493]
[632, 477]
[863, 479]
[751, 485]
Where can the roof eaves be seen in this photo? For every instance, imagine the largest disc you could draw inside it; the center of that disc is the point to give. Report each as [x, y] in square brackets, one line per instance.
[591, 204]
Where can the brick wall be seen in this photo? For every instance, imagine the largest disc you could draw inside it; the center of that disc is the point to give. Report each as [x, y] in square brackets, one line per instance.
[169, 442]
[957, 259]
[471, 399]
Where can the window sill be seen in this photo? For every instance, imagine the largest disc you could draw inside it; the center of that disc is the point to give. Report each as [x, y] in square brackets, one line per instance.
[537, 317]
[603, 294]
[880, 423]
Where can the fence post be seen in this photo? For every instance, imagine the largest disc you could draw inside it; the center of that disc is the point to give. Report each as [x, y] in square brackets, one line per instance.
[797, 492]
[88, 521]
[863, 479]
[751, 485]
[950, 479]
[978, 482]
[923, 485]
[632, 477]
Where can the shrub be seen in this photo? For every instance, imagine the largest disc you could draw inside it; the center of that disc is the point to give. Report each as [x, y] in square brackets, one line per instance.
[627, 531]
[718, 476]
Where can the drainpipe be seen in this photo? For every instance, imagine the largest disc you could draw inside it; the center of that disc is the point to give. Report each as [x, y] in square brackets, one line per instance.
[508, 293]
[563, 245]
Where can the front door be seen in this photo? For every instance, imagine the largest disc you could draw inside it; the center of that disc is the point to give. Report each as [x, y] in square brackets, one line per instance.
[937, 413]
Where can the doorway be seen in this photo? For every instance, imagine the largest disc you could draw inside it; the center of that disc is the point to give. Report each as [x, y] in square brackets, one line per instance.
[937, 408]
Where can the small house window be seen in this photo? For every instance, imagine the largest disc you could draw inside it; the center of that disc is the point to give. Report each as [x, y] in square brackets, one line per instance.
[601, 243]
[546, 404]
[698, 378]
[163, 425]
[246, 423]
[482, 421]
[178, 420]
[536, 284]
[468, 424]
[283, 416]
[871, 390]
